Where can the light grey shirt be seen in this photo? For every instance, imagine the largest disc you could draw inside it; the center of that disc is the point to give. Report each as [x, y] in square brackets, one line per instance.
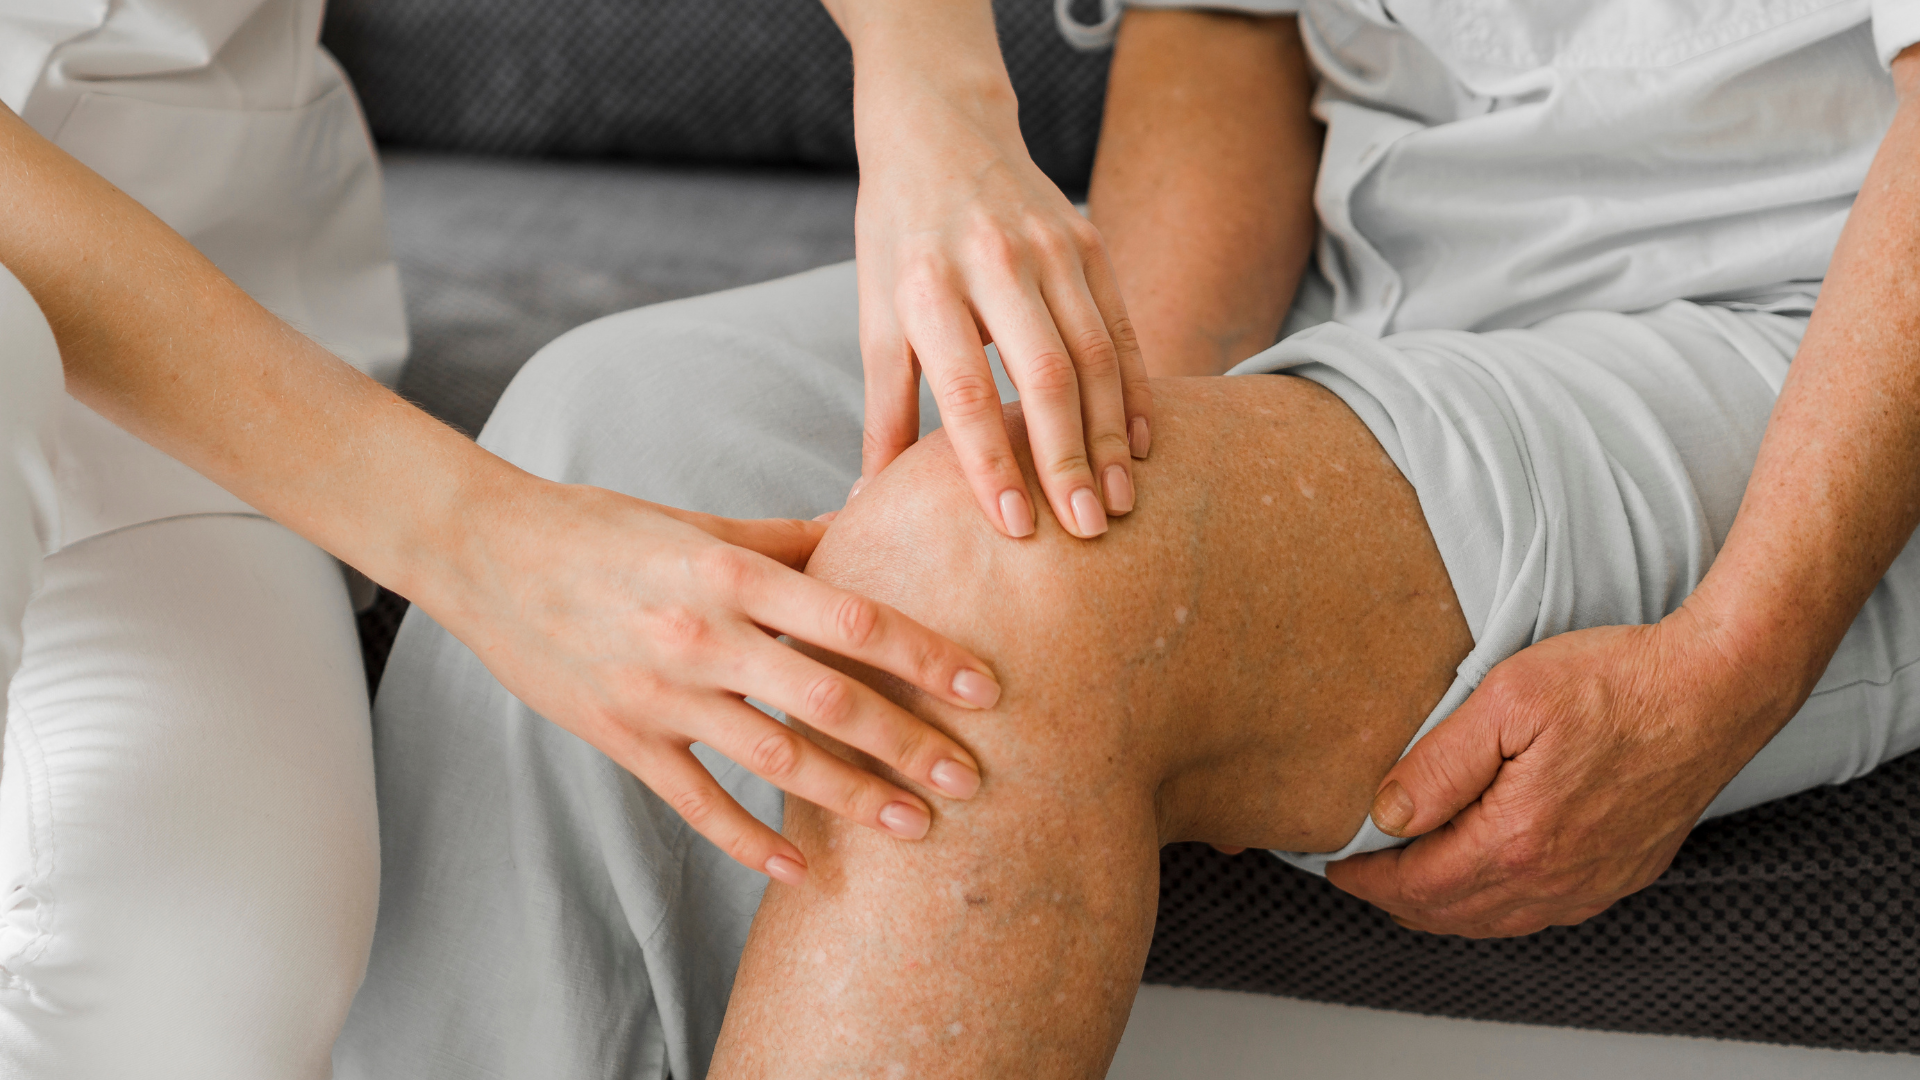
[1489, 163]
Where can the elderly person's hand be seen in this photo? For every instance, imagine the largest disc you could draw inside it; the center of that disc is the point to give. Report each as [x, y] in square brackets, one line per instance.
[1566, 781]
[962, 241]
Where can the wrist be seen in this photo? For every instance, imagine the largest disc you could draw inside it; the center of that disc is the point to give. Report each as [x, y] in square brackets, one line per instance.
[907, 58]
[1747, 655]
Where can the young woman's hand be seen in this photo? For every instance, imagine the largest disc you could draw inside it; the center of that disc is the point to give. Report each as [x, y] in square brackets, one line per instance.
[961, 241]
[648, 632]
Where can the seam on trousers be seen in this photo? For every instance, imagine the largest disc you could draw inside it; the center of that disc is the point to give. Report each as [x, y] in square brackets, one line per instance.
[90, 537]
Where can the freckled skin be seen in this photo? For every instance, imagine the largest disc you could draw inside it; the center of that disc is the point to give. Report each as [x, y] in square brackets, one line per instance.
[1234, 662]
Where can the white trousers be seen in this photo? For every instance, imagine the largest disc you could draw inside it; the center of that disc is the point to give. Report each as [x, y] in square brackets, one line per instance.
[188, 848]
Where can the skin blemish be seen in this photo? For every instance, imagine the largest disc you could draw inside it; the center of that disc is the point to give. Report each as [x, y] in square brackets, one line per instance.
[896, 1069]
[1305, 488]
[976, 901]
[955, 1030]
[1180, 615]
[1159, 643]
[917, 1034]
[819, 956]
[1059, 997]
[1266, 500]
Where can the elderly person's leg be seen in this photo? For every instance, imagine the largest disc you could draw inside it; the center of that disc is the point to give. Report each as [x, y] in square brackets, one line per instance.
[543, 914]
[1238, 661]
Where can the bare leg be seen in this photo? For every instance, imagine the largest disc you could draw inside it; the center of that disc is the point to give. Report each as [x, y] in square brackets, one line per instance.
[1238, 661]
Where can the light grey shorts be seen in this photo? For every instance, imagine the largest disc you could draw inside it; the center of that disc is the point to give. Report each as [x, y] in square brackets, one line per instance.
[1584, 472]
[543, 915]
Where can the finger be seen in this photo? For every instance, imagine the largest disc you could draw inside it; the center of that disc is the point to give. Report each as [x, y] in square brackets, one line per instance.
[892, 400]
[678, 777]
[795, 764]
[1136, 390]
[947, 342]
[849, 710]
[1103, 414]
[1436, 872]
[866, 630]
[1452, 765]
[1039, 364]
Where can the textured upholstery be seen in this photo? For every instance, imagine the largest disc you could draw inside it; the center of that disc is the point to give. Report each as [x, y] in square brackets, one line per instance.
[708, 80]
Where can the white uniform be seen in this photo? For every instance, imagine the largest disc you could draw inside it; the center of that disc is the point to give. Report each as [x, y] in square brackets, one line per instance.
[188, 854]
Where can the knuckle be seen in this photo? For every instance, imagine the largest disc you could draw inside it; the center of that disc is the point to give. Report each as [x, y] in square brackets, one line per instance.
[856, 620]
[828, 701]
[1098, 357]
[1125, 338]
[776, 756]
[682, 631]
[697, 805]
[1050, 374]
[969, 396]
[726, 567]
[991, 247]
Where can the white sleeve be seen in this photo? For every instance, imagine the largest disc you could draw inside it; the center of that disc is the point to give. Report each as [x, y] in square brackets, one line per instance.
[1896, 25]
[30, 32]
[1088, 37]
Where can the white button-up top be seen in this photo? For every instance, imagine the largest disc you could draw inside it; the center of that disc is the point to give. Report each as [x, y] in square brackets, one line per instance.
[1492, 162]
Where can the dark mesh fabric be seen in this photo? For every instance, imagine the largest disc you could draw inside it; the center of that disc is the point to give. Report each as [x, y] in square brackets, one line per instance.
[1794, 922]
[704, 80]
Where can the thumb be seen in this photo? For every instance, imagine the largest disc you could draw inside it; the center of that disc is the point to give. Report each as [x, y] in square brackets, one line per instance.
[1445, 771]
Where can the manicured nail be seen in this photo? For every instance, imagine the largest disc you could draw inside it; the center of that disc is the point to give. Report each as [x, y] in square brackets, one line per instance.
[904, 820]
[785, 870]
[1016, 512]
[1392, 808]
[956, 779]
[1088, 517]
[1119, 489]
[977, 690]
[1141, 438]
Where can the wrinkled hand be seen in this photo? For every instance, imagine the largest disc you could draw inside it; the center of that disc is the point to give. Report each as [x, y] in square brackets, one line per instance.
[654, 625]
[961, 241]
[1566, 781]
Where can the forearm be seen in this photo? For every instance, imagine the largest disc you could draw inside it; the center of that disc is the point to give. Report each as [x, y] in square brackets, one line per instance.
[1835, 491]
[1203, 187]
[156, 339]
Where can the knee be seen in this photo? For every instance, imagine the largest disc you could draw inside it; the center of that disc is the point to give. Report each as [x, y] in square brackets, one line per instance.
[1049, 612]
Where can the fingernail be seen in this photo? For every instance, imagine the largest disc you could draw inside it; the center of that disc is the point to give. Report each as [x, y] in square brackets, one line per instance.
[1140, 437]
[977, 690]
[855, 490]
[1088, 517]
[956, 779]
[904, 820]
[1016, 512]
[1392, 809]
[785, 870]
[1119, 489]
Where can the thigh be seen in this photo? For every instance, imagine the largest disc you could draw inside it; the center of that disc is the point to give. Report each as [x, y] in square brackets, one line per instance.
[745, 403]
[188, 846]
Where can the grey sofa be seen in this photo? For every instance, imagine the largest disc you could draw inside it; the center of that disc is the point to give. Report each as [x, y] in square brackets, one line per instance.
[510, 131]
